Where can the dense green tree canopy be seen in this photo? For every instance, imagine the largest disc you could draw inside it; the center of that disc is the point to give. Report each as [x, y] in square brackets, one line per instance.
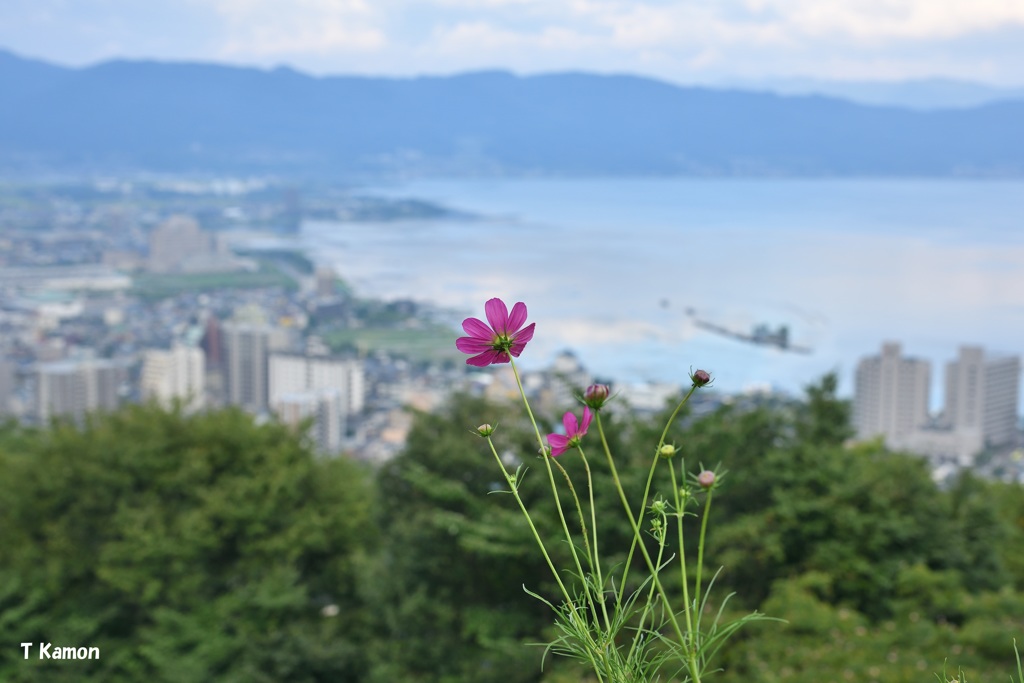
[185, 548]
[209, 547]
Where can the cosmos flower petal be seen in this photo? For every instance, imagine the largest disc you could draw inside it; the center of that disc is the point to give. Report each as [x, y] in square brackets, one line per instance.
[472, 345]
[497, 315]
[486, 358]
[526, 334]
[559, 444]
[516, 349]
[517, 318]
[475, 327]
[558, 440]
[587, 418]
[571, 425]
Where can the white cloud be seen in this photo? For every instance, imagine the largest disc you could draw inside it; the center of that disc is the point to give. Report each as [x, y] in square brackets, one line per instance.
[267, 28]
[884, 20]
[481, 36]
[767, 22]
[682, 41]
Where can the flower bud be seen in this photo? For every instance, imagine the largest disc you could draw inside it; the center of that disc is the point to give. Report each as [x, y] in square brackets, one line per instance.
[667, 451]
[706, 479]
[595, 395]
[700, 378]
[485, 430]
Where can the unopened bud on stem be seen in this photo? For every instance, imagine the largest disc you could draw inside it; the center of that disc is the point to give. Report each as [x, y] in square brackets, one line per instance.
[700, 378]
[596, 395]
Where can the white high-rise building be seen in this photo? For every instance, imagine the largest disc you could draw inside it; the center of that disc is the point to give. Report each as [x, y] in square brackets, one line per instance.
[982, 395]
[175, 374]
[73, 388]
[323, 407]
[331, 390]
[981, 404]
[890, 395]
[291, 374]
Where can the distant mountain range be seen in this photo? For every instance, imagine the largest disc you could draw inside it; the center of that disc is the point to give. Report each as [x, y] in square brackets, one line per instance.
[922, 94]
[124, 116]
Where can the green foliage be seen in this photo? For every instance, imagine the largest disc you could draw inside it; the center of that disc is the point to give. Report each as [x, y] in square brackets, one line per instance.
[1008, 503]
[824, 641]
[185, 548]
[153, 286]
[454, 560]
[204, 548]
[851, 545]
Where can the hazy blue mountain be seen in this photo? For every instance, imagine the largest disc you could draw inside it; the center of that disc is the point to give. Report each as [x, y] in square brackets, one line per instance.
[926, 93]
[125, 115]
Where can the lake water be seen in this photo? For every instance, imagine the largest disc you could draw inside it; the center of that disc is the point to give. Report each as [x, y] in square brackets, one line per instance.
[609, 267]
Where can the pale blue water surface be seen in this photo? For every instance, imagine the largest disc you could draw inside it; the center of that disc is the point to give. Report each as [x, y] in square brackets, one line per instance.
[608, 268]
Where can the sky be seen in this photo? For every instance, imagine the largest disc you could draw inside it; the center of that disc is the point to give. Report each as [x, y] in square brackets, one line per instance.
[687, 41]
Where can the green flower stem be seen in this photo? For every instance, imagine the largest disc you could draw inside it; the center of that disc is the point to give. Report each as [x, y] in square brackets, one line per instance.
[694, 672]
[700, 549]
[579, 512]
[514, 486]
[596, 561]
[692, 621]
[682, 557]
[572, 546]
[551, 479]
[632, 546]
[522, 392]
[650, 596]
[547, 464]
[647, 491]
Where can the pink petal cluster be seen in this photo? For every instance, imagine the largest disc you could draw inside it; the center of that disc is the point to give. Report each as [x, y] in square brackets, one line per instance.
[495, 342]
[574, 431]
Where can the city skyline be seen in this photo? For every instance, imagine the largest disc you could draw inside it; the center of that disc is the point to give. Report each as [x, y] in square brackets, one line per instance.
[980, 410]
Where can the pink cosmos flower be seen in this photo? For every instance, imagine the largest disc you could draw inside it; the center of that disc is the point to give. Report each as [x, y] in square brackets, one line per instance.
[574, 431]
[505, 335]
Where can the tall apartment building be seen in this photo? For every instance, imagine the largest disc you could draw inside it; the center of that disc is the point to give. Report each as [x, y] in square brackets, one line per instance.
[323, 407]
[73, 388]
[6, 386]
[293, 374]
[246, 349]
[212, 343]
[174, 241]
[890, 394]
[982, 395]
[891, 398]
[175, 374]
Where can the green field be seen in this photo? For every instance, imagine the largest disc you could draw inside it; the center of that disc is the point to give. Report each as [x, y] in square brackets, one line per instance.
[434, 343]
[160, 286]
